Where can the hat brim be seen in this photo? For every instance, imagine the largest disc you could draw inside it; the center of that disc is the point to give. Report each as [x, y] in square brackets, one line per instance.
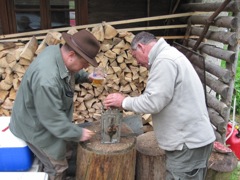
[68, 39]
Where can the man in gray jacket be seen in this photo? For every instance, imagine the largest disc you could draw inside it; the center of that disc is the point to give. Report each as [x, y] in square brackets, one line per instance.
[174, 96]
[43, 109]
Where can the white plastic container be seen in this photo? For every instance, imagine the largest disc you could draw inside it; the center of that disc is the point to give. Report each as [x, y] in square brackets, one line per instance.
[14, 152]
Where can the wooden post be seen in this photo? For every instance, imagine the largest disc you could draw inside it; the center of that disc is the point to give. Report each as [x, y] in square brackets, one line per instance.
[151, 160]
[107, 161]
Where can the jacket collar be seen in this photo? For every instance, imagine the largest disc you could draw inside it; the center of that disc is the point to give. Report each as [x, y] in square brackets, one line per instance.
[63, 71]
[156, 50]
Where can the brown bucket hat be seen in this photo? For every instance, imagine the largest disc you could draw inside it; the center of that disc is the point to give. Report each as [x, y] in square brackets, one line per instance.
[85, 44]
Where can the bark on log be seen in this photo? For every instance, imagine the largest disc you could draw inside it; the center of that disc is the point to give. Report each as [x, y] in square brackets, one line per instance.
[232, 6]
[220, 21]
[228, 56]
[219, 36]
[151, 160]
[219, 106]
[217, 120]
[222, 162]
[218, 136]
[213, 83]
[106, 161]
[223, 74]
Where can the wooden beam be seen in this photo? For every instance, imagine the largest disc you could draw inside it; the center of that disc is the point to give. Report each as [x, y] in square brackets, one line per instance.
[224, 74]
[233, 6]
[82, 16]
[217, 105]
[217, 120]
[219, 36]
[220, 21]
[226, 55]
[40, 32]
[213, 83]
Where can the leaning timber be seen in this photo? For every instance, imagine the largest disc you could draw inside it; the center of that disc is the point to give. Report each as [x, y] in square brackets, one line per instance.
[220, 21]
[208, 7]
[226, 55]
[223, 74]
[216, 85]
[219, 36]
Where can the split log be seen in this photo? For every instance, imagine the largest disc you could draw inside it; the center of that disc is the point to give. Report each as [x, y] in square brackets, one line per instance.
[208, 7]
[29, 49]
[217, 121]
[220, 21]
[106, 161]
[6, 45]
[226, 55]
[151, 159]
[147, 128]
[219, 36]
[213, 83]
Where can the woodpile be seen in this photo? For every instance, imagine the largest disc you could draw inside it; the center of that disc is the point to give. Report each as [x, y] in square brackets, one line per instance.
[123, 73]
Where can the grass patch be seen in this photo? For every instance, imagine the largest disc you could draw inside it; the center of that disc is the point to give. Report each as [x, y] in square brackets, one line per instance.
[236, 173]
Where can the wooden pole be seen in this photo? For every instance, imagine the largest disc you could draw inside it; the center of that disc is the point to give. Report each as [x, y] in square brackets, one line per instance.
[208, 7]
[220, 36]
[213, 83]
[225, 55]
[220, 21]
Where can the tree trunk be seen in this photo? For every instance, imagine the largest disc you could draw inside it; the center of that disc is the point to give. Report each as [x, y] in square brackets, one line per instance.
[107, 161]
[151, 160]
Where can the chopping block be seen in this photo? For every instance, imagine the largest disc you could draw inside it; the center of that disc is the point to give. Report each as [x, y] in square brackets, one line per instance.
[96, 160]
[151, 159]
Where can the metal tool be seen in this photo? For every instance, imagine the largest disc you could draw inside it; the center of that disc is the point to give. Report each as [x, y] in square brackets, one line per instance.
[111, 121]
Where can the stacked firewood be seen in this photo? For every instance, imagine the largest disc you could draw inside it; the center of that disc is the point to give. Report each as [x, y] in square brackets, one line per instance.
[123, 74]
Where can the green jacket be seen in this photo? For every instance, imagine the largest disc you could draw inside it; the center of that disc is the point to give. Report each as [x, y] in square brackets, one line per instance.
[43, 109]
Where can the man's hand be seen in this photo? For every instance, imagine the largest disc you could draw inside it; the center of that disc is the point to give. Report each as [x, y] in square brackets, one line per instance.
[114, 100]
[86, 134]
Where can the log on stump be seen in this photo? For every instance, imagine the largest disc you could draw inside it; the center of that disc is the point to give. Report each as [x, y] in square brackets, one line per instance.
[107, 161]
[151, 160]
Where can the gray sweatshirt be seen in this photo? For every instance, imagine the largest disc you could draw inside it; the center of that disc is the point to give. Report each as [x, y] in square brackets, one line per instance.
[174, 96]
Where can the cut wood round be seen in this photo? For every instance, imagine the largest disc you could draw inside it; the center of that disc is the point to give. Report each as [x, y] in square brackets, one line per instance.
[107, 161]
[221, 165]
[151, 160]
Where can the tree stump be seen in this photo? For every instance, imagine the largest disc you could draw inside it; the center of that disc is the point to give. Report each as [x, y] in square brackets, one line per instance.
[106, 161]
[221, 165]
[151, 159]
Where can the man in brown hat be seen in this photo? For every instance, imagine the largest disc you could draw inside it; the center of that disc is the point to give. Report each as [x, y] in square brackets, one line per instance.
[43, 110]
